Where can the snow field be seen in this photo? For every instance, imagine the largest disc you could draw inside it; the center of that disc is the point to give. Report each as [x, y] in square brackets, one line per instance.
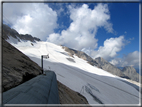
[95, 84]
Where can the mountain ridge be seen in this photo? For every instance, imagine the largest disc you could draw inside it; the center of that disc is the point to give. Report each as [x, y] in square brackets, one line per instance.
[9, 32]
[98, 62]
[97, 85]
[103, 64]
[131, 72]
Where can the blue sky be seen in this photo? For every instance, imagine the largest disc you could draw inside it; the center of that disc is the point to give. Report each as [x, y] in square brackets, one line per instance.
[108, 30]
[125, 19]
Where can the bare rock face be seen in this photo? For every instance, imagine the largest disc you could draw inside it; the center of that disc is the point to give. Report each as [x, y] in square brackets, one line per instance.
[131, 73]
[16, 67]
[127, 72]
[8, 32]
[109, 67]
[28, 37]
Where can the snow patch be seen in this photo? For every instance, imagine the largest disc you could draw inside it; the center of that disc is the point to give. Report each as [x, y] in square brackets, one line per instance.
[12, 40]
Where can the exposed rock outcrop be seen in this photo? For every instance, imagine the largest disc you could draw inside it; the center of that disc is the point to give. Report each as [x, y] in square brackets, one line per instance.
[16, 67]
[127, 72]
[131, 73]
[105, 65]
[8, 32]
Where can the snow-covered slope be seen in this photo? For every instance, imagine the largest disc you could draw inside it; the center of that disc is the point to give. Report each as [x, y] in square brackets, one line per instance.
[97, 85]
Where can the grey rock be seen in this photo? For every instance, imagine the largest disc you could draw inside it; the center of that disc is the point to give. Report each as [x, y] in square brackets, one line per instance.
[7, 31]
[105, 65]
[127, 72]
[16, 67]
[28, 37]
[131, 73]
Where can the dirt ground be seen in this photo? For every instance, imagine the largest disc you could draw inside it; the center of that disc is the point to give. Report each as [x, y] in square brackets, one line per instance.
[68, 96]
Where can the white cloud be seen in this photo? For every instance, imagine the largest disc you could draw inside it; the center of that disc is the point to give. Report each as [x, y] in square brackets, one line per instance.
[131, 59]
[85, 23]
[110, 48]
[36, 19]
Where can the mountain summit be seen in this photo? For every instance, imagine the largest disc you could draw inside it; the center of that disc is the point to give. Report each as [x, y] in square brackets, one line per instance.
[105, 65]
[131, 73]
[13, 36]
[127, 72]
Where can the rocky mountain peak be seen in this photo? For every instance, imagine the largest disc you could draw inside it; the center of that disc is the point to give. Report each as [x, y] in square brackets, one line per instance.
[131, 72]
[127, 72]
[100, 60]
[130, 69]
[15, 36]
[105, 65]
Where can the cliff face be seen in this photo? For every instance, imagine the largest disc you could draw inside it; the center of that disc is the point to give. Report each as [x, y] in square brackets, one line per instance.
[127, 72]
[16, 67]
[109, 67]
[131, 73]
[8, 33]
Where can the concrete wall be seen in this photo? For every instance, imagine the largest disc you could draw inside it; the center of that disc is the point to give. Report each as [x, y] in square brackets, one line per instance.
[42, 89]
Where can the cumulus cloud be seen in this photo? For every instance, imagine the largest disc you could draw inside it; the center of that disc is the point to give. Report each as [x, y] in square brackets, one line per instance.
[85, 23]
[110, 48]
[131, 59]
[36, 19]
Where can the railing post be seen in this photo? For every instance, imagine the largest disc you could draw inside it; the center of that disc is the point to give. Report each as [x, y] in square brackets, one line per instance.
[42, 63]
[43, 56]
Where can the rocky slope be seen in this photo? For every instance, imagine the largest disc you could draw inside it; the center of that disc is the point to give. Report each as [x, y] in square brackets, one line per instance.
[127, 72]
[131, 73]
[16, 67]
[105, 65]
[99, 62]
[8, 32]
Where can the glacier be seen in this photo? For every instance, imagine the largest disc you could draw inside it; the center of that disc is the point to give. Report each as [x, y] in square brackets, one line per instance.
[98, 86]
